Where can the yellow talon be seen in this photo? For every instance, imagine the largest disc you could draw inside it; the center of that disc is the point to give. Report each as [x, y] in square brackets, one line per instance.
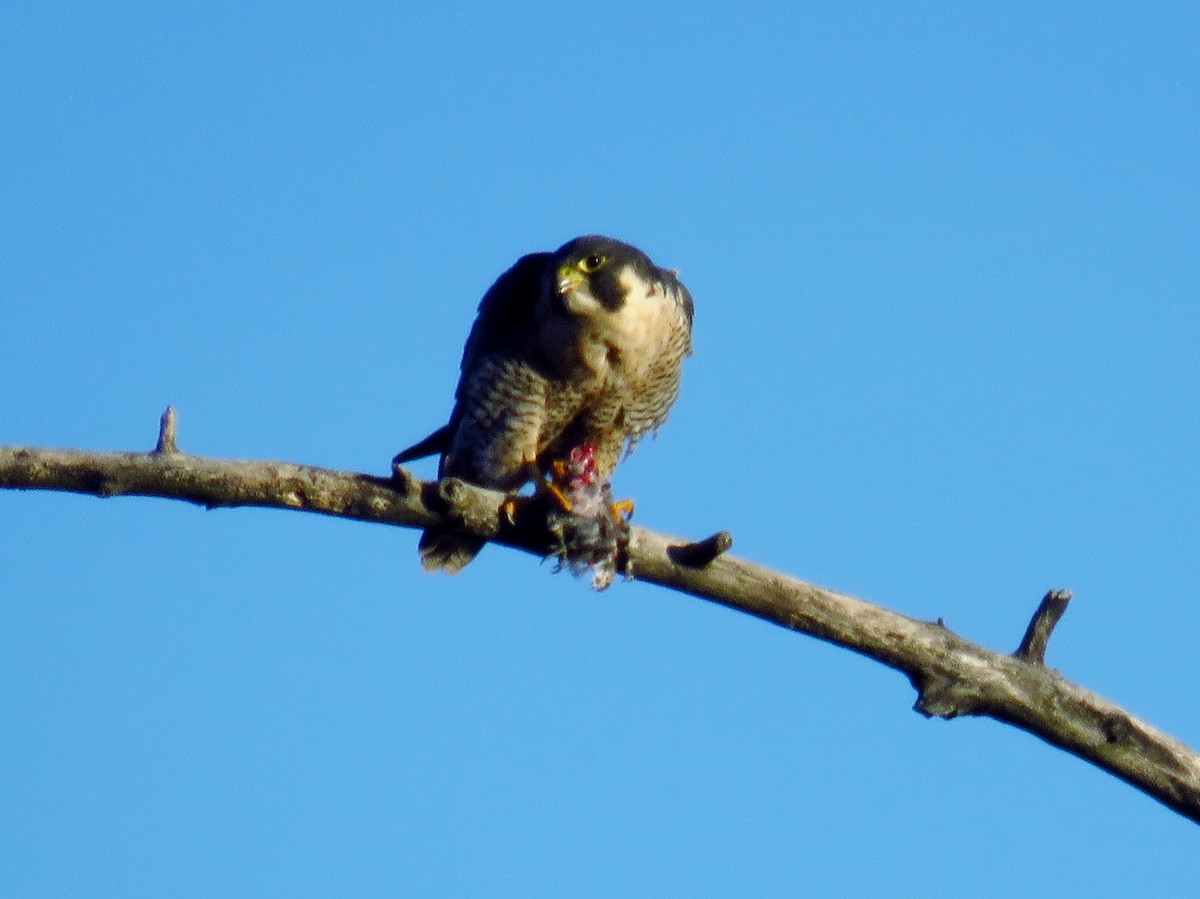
[509, 510]
[622, 509]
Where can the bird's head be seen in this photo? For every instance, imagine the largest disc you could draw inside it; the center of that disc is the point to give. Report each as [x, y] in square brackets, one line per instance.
[593, 274]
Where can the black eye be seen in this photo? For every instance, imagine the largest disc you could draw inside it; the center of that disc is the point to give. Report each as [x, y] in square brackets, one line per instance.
[593, 263]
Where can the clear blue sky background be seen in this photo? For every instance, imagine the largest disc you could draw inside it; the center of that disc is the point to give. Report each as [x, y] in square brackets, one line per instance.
[946, 277]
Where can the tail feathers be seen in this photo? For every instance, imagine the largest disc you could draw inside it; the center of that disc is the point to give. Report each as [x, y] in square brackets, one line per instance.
[447, 551]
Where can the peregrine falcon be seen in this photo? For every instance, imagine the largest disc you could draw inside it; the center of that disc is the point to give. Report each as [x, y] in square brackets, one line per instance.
[583, 345]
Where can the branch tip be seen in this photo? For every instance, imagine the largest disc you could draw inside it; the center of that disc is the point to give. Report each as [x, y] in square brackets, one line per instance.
[1041, 626]
[166, 433]
[702, 552]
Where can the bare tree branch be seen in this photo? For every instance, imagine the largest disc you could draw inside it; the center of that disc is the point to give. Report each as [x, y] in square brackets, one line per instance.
[952, 676]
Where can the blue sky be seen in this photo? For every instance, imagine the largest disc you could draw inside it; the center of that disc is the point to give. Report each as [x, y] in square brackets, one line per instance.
[945, 271]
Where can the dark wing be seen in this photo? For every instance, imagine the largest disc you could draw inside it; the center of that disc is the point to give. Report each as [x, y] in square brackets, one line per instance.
[671, 279]
[506, 308]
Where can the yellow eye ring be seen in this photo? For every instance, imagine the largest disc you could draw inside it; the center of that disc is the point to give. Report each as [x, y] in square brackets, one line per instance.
[593, 263]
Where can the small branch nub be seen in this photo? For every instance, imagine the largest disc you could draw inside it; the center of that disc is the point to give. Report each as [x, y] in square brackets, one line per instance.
[1037, 635]
[702, 552]
[166, 433]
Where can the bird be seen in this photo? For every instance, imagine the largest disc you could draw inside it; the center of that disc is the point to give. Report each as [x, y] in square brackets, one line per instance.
[583, 345]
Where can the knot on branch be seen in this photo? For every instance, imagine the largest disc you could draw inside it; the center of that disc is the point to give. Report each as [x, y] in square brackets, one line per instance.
[403, 481]
[1116, 728]
[477, 511]
[943, 696]
[451, 492]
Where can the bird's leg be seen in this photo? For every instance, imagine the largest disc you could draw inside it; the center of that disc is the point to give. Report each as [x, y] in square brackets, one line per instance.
[559, 474]
[556, 493]
[548, 484]
[622, 510]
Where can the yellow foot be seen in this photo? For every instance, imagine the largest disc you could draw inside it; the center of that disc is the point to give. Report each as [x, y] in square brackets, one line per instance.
[622, 510]
[509, 507]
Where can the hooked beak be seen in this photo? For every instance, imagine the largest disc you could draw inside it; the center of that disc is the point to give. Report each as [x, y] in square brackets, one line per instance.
[570, 279]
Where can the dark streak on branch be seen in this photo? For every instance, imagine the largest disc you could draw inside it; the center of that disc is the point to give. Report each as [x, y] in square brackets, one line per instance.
[951, 675]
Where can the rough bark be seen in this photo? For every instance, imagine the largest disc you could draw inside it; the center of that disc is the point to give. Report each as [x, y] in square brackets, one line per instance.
[952, 676]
